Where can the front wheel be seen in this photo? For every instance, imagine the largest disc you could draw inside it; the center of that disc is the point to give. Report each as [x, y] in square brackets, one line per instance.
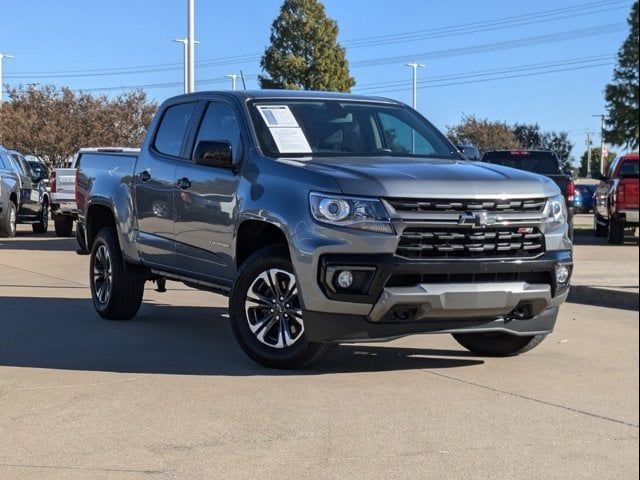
[116, 289]
[616, 231]
[8, 223]
[266, 313]
[498, 344]
[600, 227]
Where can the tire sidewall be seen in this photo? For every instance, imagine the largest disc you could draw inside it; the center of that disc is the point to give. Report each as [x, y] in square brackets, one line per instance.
[103, 238]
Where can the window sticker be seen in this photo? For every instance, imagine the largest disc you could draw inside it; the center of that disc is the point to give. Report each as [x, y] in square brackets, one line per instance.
[284, 129]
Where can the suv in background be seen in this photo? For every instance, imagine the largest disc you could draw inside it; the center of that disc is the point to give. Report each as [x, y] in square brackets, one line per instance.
[616, 199]
[23, 196]
[542, 162]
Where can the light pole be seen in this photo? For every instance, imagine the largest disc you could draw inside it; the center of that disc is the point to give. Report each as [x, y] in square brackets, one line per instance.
[233, 78]
[602, 164]
[414, 67]
[185, 67]
[191, 40]
[2, 57]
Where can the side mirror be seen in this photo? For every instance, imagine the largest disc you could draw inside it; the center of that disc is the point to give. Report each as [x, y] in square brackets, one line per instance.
[470, 151]
[598, 176]
[214, 154]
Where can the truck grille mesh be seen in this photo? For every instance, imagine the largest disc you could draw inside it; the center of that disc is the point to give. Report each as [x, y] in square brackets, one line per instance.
[444, 242]
[443, 205]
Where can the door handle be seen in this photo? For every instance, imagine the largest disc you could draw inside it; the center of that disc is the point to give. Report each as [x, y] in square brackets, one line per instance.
[184, 183]
[144, 175]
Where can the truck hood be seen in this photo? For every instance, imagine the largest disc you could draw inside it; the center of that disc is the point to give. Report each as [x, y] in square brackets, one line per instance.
[408, 177]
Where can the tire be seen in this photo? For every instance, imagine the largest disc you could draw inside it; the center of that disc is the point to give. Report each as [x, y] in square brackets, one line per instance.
[599, 230]
[8, 223]
[498, 344]
[616, 231]
[266, 337]
[43, 225]
[63, 225]
[116, 288]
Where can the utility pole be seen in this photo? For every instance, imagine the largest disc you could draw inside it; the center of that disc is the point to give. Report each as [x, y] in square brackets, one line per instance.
[185, 67]
[588, 153]
[191, 40]
[602, 153]
[414, 66]
[233, 78]
[2, 57]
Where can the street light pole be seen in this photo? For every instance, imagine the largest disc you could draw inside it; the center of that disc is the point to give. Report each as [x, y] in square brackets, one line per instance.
[414, 66]
[233, 78]
[191, 46]
[602, 164]
[2, 57]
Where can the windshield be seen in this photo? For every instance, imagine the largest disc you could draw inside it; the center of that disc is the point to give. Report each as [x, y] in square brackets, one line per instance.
[330, 128]
[545, 163]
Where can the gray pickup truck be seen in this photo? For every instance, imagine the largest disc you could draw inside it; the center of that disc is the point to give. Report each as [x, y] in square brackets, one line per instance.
[325, 218]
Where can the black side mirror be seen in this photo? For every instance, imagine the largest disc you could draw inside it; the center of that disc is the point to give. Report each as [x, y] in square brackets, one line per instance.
[598, 176]
[214, 154]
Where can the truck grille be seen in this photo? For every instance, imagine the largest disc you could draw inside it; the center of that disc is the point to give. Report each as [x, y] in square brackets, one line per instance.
[466, 205]
[445, 242]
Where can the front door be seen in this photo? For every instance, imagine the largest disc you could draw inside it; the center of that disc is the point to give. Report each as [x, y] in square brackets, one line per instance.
[205, 200]
[29, 194]
[153, 184]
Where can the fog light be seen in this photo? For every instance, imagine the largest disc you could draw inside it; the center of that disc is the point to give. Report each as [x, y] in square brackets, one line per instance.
[345, 279]
[562, 274]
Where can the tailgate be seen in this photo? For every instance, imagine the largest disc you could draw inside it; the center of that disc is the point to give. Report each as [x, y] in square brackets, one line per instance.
[66, 181]
[631, 192]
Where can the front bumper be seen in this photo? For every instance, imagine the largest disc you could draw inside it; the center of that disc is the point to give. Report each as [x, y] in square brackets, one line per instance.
[450, 296]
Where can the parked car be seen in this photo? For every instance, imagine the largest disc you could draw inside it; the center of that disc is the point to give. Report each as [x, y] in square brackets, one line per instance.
[583, 199]
[62, 185]
[542, 162]
[616, 199]
[23, 195]
[325, 218]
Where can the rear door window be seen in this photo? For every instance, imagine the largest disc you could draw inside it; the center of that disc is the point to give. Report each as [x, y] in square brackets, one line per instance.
[173, 128]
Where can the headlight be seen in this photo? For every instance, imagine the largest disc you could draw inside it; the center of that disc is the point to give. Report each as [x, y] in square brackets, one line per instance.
[554, 214]
[352, 212]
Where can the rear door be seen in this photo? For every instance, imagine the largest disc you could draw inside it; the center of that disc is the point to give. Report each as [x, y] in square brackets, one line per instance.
[29, 194]
[153, 184]
[205, 200]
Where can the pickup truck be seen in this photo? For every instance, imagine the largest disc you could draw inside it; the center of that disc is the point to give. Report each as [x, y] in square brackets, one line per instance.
[23, 195]
[325, 218]
[63, 191]
[542, 162]
[616, 205]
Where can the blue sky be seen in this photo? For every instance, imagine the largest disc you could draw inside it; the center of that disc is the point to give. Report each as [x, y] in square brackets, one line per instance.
[456, 39]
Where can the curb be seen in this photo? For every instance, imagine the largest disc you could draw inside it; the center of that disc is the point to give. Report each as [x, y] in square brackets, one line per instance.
[605, 297]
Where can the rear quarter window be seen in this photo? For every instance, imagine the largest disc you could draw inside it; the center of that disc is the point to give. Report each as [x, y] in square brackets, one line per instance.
[629, 168]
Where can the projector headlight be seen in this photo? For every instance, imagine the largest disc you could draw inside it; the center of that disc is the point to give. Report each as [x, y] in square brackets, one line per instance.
[352, 212]
[554, 214]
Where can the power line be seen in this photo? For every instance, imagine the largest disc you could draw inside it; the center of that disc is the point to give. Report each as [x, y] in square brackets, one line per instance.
[441, 32]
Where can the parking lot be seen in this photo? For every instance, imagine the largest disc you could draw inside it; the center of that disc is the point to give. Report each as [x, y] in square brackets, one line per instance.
[170, 395]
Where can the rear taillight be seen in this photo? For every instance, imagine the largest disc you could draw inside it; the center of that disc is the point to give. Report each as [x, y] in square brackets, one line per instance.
[571, 191]
[621, 197]
[77, 190]
[52, 182]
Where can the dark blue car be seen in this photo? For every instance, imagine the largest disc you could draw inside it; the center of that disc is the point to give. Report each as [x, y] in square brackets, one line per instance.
[583, 199]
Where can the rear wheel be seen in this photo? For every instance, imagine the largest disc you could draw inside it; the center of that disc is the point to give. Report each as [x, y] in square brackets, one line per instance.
[116, 288]
[616, 231]
[8, 223]
[266, 313]
[498, 344]
[600, 228]
[63, 225]
[43, 225]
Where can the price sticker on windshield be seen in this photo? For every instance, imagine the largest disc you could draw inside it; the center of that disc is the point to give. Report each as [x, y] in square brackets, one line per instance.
[284, 128]
[278, 116]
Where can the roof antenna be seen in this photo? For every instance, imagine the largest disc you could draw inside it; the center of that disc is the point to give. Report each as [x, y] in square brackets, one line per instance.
[244, 84]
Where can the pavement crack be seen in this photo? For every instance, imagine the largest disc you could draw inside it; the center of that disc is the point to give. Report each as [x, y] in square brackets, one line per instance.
[42, 274]
[531, 399]
[85, 469]
[72, 385]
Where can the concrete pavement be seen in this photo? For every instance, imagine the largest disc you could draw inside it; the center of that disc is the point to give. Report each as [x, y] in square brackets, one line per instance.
[170, 395]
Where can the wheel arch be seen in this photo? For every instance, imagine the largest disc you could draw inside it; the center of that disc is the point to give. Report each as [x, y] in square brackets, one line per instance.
[253, 235]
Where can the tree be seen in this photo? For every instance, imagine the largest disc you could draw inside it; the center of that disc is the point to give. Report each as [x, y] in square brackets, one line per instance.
[595, 161]
[55, 123]
[621, 95]
[529, 136]
[484, 134]
[304, 53]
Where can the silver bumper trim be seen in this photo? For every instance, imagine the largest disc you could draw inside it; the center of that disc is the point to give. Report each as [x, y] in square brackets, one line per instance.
[463, 300]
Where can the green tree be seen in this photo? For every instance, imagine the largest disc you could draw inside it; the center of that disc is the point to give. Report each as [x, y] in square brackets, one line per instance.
[483, 133]
[622, 94]
[595, 161]
[304, 53]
